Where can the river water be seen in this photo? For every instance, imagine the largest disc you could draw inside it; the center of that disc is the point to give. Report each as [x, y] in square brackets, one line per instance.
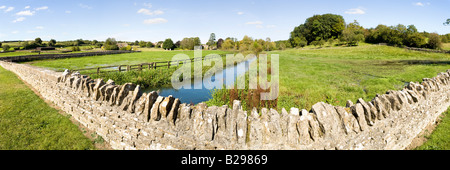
[196, 96]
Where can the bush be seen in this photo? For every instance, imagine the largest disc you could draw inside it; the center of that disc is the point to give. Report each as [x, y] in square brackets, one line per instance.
[434, 41]
[6, 47]
[75, 48]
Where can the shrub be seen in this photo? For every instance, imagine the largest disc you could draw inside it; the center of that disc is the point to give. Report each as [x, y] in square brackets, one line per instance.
[75, 48]
[434, 41]
[6, 47]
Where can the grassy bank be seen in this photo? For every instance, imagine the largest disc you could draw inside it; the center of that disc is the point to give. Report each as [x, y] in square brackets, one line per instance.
[440, 138]
[28, 123]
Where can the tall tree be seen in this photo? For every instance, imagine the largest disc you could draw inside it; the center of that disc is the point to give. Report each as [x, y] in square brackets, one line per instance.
[52, 42]
[447, 22]
[168, 44]
[212, 40]
[38, 41]
[219, 43]
[320, 27]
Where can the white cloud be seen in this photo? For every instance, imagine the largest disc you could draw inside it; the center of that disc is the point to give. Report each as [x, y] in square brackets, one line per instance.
[421, 4]
[2, 7]
[240, 13]
[149, 12]
[353, 11]
[27, 7]
[9, 9]
[85, 6]
[20, 19]
[42, 8]
[155, 21]
[68, 12]
[39, 27]
[254, 23]
[15, 32]
[148, 5]
[25, 13]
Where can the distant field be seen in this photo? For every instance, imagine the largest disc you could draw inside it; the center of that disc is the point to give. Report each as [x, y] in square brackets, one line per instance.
[118, 59]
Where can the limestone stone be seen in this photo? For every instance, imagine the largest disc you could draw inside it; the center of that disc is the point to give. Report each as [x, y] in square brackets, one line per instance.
[155, 115]
[173, 113]
[166, 105]
[358, 112]
[124, 92]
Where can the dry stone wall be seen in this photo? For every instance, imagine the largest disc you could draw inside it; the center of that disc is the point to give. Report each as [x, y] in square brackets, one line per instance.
[129, 119]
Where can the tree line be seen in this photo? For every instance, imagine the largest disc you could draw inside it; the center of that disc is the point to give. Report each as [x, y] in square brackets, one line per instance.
[331, 28]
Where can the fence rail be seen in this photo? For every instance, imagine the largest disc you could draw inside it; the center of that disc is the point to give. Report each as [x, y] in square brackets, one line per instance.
[139, 67]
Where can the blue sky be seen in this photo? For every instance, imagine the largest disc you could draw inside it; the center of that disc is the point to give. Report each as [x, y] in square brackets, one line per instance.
[156, 20]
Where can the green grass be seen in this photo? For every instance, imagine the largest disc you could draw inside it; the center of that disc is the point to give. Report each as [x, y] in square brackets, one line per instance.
[446, 46]
[440, 138]
[28, 123]
[117, 59]
[336, 75]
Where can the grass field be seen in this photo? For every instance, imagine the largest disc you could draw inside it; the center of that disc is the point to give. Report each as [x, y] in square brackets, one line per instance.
[118, 59]
[336, 75]
[28, 123]
[439, 139]
[446, 46]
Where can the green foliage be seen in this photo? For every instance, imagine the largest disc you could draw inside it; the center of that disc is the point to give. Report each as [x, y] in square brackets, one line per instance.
[142, 44]
[168, 44]
[127, 48]
[434, 41]
[38, 41]
[52, 42]
[6, 47]
[75, 48]
[190, 43]
[320, 27]
[353, 34]
[212, 40]
[111, 44]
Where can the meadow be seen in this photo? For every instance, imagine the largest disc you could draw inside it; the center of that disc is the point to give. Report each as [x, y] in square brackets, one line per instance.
[28, 123]
[337, 74]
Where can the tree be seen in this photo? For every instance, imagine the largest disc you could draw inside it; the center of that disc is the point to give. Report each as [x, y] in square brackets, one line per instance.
[38, 41]
[219, 43]
[447, 22]
[299, 42]
[177, 44]
[94, 42]
[228, 45]
[353, 34]
[168, 44]
[149, 45]
[320, 27]
[142, 44]
[6, 47]
[212, 40]
[111, 44]
[434, 41]
[0, 44]
[52, 42]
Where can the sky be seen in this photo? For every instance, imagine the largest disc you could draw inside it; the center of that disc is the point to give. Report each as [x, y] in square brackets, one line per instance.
[156, 20]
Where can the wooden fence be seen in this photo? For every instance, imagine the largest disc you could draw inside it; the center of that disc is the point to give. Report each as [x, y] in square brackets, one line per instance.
[139, 67]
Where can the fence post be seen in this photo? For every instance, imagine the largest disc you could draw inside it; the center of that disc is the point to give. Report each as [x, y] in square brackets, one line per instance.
[140, 67]
[154, 65]
[128, 68]
[120, 68]
[98, 70]
[168, 64]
